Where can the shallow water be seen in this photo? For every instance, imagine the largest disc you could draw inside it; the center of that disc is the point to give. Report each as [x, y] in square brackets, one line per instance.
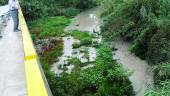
[68, 49]
[142, 76]
[86, 21]
[67, 52]
[92, 54]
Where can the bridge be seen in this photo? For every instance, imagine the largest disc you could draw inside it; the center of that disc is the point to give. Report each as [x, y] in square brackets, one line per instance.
[21, 72]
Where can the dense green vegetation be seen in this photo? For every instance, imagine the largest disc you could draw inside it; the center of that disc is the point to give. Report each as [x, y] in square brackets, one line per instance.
[34, 9]
[81, 35]
[3, 2]
[84, 37]
[46, 30]
[144, 23]
[107, 78]
[163, 91]
[48, 27]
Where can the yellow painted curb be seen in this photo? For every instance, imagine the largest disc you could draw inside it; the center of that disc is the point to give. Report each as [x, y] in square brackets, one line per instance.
[34, 79]
[35, 83]
[27, 41]
[30, 57]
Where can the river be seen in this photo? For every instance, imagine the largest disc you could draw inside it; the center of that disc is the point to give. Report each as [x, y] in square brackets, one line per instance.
[141, 77]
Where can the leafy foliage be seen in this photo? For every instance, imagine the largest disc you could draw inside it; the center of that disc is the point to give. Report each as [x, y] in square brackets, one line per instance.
[49, 27]
[34, 9]
[84, 37]
[142, 22]
[145, 23]
[76, 62]
[3, 2]
[107, 80]
[81, 35]
[163, 91]
[108, 77]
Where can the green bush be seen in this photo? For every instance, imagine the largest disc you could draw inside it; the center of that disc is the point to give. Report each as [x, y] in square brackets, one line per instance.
[81, 35]
[84, 37]
[163, 91]
[34, 9]
[75, 61]
[76, 45]
[3, 2]
[86, 42]
[162, 73]
[159, 45]
[144, 23]
[107, 78]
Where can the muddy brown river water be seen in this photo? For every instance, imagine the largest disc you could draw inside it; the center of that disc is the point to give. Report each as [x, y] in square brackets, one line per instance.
[142, 76]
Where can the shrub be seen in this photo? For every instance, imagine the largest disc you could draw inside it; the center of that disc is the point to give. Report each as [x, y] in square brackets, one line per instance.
[143, 22]
[81, 35]
[75, 61]
[84, 37]
[3, 2]
[108, 78]
[76, 45]
[86, 42]
[163, 91]
[162, 72]
[34, 9]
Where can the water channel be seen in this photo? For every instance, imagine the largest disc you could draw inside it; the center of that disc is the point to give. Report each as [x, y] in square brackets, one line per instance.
[141, 77]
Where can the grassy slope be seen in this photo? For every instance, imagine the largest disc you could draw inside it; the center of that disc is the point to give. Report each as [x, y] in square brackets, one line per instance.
[48, 27]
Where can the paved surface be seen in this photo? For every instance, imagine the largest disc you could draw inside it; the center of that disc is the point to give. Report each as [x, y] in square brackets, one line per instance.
[12, 74]
[3, 9]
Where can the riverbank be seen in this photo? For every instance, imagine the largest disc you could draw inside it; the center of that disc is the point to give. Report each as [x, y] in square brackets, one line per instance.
[142, 76]
[80, 55]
